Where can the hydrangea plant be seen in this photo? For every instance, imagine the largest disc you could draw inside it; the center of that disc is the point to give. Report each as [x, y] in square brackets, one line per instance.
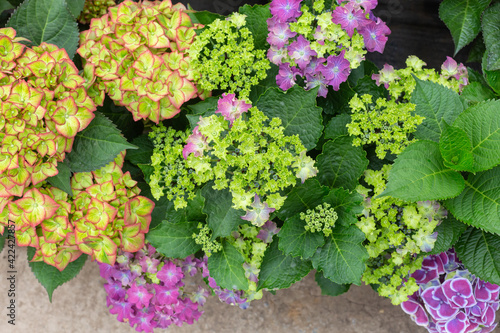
[137, 54]
[390, 123]
[319, 44]
[94, 9]
[396, 232]
[104, 214]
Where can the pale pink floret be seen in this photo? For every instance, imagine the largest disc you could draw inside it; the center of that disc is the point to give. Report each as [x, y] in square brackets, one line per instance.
[386, 75]
[231, 108]
[259, 214]
[196, 143]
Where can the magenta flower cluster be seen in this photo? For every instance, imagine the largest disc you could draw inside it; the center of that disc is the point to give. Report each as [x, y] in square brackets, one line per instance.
[451, 299]
[147, 290]
[295, 54]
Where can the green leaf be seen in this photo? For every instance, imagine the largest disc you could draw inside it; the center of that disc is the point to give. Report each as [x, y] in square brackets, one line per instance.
[204, 17]
[476, 92]
[174, 240]
[481, 122]
[493, 79]
[463, 18]
[97, 145]
[142, 155]
[342, 258]
[256, 23]
[202, 107]
[75, 7]
[15, 3]
[63, 179]
[295, 240]
[456, 148]
[341, 164]
[419, 174]
[279, 271]
[437, 104]
[226, 267]
[5, 6]
[298, 111]
[328, 287]
[365, 69]
[477, 50]
[491, 35]
[49, 276]
[478, 251]
[47, 21]
[122, 118]
[479, 203]
[337, 101]
[147, 170]
[368, 86]
[302, 197]
[263, 85]
[347, 205]
[222, 217]
[337, 126]
[449, 231]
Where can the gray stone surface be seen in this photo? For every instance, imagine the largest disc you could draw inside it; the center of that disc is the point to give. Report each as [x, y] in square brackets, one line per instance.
[79, 306]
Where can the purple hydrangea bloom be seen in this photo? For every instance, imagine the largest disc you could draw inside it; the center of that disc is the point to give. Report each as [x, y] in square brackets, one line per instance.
[267, 231]
[276, 55]
[170, 274]
[166, 295]
[286, 76]
[115, 291]
[285, 10]
[375, 35]
[122, 309]
[349, 17]
[416, 311]
[300, 51]
[367, 5]
[279, 33]
[318, 80]
[336, 70]
[485, 291]
[459, 292]
[437, 303]
[139, 296]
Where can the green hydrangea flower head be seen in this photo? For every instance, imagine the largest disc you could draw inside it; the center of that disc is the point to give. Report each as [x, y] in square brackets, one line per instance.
[204, 238]
[389, 123]
[396, 233]
[225, 57]
[94, 9]
[320, 219]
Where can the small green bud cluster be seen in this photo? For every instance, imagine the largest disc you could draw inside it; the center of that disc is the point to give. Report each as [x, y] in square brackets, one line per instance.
[94, 9]
[396, 232]
[321, 218]
[204, 238]
[389, 123]
[171, 176]
[226, 59]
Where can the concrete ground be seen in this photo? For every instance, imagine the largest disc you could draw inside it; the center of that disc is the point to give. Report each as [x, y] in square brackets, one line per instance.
[79, 306]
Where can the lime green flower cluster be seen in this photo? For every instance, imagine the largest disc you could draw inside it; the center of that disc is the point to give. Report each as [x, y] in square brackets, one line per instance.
[396, 232]
[225, 57]
[94, 9]
[171, 176]
[252, 248]
[389, 123]
[321, 218]
[204, 238]
[251, 157]
[386, 123]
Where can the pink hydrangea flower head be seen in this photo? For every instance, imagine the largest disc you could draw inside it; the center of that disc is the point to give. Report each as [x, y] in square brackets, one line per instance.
[122, 309]
[231, 108]
[437, 304]
[314, 66]
[318, 80]
[336, 70]
[375, 35]
[276, 55]
[196, 143]
[485, 291]
[367, 5]
[349, 17]
[300, 51]
[286, 76]
[285, 10]
[139, 295]
[166, 295]
[260, 212]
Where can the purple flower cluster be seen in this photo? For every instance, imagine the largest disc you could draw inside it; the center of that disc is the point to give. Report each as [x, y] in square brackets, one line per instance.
[450, 299]
[295, 55]
[147, 290]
